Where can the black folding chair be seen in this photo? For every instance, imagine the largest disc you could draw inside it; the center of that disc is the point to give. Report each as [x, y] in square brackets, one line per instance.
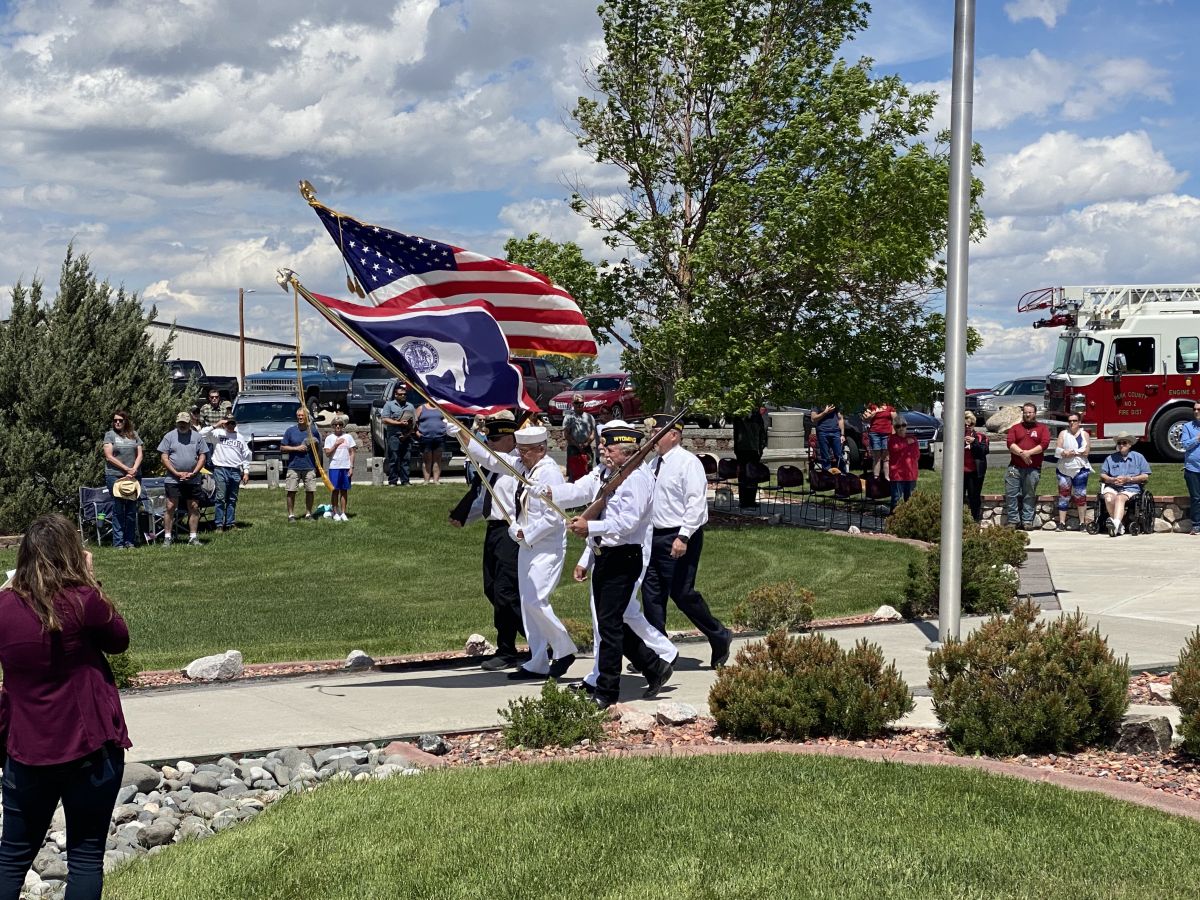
[726, 481]
[95, 514]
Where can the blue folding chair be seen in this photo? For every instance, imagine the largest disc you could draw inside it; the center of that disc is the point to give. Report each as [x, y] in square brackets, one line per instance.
[95, 514]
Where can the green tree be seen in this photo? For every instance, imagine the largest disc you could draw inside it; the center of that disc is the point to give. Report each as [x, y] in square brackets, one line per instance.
[64, 367]
[784, 219]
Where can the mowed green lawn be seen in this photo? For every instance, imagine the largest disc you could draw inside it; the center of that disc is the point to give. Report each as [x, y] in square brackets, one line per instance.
[1166, 480]
[716, 827]
[398, 579]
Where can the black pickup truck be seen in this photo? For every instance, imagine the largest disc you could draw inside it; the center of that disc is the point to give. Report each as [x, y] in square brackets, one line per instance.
[183, 371]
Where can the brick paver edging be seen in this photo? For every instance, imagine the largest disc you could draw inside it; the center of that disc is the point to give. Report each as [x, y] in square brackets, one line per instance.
[1118, 790]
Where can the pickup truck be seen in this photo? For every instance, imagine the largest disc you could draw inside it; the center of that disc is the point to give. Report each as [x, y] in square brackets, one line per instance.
[183, 371]
[542, 380]
[325, 382]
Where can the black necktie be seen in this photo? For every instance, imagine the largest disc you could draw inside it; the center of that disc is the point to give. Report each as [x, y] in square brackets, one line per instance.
[487, 500]
[657, 466]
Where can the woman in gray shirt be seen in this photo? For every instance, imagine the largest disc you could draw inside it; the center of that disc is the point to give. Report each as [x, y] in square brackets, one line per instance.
[122, 460]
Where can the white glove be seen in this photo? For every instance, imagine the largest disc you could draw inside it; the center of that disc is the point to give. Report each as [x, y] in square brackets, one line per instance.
[541, 490]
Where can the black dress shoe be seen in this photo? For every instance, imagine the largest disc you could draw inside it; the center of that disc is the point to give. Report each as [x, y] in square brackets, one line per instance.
[656, 680]
[520, 673]
[559, 667]
[720, 649]
[632, 669]
[498, 662]
[581, 687]
[603, 702]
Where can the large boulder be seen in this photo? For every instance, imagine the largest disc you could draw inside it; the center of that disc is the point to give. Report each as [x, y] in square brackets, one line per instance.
[1004, 419]
[141, 776]
[1143, 734]
[219, 667]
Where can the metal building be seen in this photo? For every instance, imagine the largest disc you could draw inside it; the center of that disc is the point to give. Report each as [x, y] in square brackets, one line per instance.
[218, 352]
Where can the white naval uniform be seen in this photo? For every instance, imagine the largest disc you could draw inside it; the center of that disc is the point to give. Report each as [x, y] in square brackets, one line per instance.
[583, 492]
[540, 555]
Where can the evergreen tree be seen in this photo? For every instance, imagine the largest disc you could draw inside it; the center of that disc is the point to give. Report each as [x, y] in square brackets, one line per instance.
[64, 367]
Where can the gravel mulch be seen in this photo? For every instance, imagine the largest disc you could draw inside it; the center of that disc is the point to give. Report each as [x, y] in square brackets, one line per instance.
[1149, 688]
[1171, 774]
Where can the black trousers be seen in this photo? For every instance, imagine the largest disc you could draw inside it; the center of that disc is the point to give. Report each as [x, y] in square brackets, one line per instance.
[88, 790]
[676, 578]
[973, 487]
[614, 574]
[500, 586]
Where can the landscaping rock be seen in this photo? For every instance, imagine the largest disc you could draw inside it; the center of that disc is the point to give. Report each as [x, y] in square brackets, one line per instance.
[184, 767]
[433, 743]
[143, 778]
[220, 667]
[358, 660]
[330, 753]
[1162, 691]
[293, 758]
[478, 645]
[113, 858]
[57, 869]
[887, 614]
[161, 832]
[404, 754]
[205, 782]
[634, 721]
[670, 712]
[224, 819]
[1143, 734]
[126, 793]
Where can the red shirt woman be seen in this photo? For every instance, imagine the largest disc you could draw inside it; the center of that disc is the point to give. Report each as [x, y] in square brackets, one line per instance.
[60, 712]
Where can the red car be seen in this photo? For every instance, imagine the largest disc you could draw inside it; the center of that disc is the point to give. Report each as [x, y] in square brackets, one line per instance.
[607, 396]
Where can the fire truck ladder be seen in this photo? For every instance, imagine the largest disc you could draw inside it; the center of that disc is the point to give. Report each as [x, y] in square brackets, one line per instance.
[1120, 301]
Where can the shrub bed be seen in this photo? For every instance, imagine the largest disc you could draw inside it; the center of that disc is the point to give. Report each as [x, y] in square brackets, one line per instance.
[773, 606]
[1185, 693]
[556, 718]
[807, 686]
[1020, 685]
[920, 517]
[990, 557]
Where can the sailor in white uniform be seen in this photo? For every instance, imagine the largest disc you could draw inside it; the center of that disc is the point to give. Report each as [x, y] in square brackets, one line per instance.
[541, 538]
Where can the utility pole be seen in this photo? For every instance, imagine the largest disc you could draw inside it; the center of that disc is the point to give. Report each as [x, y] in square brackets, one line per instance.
[242, 292]
[953, 427]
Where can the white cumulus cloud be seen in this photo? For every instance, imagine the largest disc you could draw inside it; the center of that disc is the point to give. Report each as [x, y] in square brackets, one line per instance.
[1048, 11]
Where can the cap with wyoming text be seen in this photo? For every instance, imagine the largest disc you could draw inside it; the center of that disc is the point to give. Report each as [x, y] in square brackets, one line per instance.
[618, 432]
[501, 423]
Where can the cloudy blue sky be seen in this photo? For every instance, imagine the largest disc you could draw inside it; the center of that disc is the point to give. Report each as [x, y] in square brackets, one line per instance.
[166, 139]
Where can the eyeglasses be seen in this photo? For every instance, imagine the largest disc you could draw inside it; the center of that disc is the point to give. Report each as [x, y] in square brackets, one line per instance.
[118, 420]
[1072, 421]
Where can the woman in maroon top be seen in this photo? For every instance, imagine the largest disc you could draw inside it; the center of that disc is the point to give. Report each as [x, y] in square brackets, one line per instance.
[60, 713]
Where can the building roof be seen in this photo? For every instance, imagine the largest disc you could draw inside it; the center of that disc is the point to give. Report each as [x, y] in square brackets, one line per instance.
[221, 334]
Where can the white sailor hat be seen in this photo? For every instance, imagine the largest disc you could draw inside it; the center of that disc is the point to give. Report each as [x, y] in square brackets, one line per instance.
[535, 435]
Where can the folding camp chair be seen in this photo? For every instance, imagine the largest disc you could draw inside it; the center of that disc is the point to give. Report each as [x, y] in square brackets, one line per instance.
[154, 505]
[726, 481]
[95, 514]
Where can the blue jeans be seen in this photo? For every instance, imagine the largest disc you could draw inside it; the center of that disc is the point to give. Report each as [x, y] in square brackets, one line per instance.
[1193, 486]
[1021, 485]
[829, 446]
[399, 448]
[88, 790]
[229, 482]
[901, 489]
[125, 517]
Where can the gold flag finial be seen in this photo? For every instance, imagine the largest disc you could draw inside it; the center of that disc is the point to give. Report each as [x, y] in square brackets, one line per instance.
[307, 191]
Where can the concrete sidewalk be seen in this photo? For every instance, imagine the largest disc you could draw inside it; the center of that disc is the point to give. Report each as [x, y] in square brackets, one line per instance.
[1135, 589]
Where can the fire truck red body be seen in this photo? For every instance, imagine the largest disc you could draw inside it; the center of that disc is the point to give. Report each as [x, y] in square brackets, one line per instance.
[1128, 359]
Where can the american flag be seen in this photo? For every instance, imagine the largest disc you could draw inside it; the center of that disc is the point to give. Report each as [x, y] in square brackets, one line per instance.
[406, 272]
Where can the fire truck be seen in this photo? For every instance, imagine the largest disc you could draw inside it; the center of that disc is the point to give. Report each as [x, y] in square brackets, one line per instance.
[1128, 359]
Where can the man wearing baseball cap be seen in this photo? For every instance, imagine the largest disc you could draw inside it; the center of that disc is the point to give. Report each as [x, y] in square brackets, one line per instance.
[183, 452]
[1123, 474]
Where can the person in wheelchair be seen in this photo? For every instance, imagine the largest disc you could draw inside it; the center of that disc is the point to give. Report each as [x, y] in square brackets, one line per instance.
[1124, 473]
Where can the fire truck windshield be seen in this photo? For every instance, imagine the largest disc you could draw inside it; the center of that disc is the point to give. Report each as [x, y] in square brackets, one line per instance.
[1078, 355]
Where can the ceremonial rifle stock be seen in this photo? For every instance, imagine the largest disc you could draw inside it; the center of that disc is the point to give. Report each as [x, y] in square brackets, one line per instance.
[597, 506]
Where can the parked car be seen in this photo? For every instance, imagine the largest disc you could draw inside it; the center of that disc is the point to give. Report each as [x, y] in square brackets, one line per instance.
[367, 382]
[924, 427]
[263, 417]
[607, 396]
[1017, 392]
[326, 383]
[542, 380]
[379, 440]
[183, 371]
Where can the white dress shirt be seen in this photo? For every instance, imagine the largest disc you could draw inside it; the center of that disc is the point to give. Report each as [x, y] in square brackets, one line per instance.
[680, 492]
[626, 516]
[504, 505]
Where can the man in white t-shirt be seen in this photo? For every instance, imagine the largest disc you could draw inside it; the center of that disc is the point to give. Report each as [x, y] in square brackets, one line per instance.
[339, 451]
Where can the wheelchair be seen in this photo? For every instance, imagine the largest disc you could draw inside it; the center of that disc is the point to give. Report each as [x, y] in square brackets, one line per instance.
[1139, 515]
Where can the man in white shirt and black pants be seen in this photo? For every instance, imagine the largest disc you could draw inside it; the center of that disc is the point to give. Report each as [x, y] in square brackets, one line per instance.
[616, 538]
[680, 513]
[499, 549]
